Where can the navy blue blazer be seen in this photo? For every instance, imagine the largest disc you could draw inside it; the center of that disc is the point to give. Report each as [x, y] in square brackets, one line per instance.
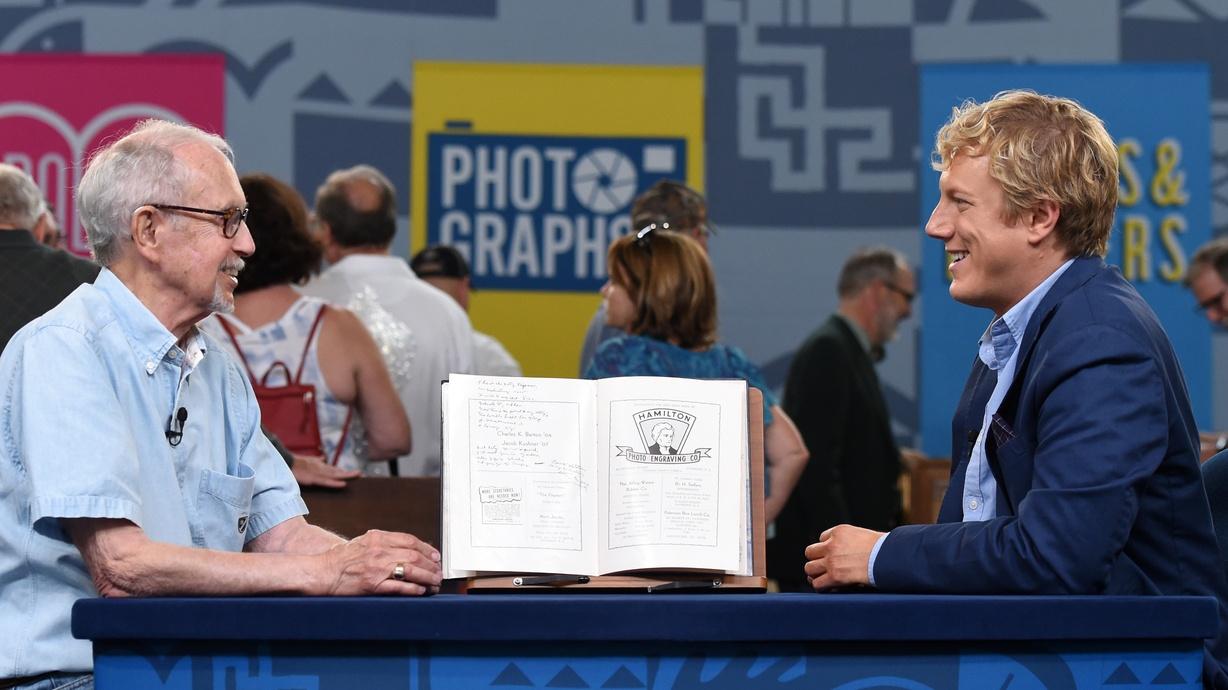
[1096, 455]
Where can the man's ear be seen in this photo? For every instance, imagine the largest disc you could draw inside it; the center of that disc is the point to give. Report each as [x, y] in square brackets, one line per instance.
[39, 231]
[143, 228]
[324, 232]
[1042, 220]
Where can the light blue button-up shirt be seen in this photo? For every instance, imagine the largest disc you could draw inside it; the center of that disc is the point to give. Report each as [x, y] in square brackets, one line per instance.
[86, 395]
[999, 350]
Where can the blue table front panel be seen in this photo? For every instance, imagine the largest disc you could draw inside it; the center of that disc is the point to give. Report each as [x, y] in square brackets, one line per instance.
[345, 665]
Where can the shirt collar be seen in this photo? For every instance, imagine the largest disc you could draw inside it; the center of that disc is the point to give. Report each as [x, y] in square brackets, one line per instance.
[17, 238]
[147, 336]
[194, 349]
[368, 263]
[1004, 334]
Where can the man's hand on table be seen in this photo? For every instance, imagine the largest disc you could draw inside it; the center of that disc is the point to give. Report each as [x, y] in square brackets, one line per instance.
[382, 563]
[841, 557]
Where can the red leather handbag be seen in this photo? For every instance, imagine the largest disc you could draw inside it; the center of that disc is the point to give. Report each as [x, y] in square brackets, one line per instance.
[288, 411]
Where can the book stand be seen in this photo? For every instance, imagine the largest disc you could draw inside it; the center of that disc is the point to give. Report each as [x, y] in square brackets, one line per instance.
[661, 580]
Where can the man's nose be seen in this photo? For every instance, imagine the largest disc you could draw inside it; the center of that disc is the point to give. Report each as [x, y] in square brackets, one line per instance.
[939, 225]
[1216, 314]
[243, 243]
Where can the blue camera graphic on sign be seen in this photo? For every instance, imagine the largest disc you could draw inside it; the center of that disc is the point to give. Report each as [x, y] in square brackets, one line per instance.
[536, 212]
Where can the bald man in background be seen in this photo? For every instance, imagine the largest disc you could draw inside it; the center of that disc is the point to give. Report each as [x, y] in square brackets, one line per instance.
[423, 334]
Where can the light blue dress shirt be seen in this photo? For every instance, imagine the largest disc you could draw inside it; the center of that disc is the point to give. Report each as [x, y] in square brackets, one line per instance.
[999, 350]
[86, 394]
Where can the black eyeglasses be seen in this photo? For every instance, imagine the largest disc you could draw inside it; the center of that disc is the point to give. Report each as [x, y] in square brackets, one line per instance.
[1213, 301]
[908, 296]
[232, 218]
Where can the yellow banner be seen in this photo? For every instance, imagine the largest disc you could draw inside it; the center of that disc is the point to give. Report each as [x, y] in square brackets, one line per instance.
[529, 171]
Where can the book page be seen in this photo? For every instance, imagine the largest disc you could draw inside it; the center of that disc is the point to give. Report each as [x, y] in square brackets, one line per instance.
[445, 508]
[519, 489]
[672, 459]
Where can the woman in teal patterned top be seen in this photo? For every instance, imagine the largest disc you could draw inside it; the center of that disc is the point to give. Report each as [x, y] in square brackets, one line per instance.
[661, 292]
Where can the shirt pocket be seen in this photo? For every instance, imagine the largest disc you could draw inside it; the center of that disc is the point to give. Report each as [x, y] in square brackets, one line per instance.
[223, 507]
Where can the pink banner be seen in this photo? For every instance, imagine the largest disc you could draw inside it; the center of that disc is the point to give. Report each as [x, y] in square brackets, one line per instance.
[55, 110]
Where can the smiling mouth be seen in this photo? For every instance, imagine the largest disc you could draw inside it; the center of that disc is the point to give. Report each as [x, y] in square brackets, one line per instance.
[957, 257]
[232, 272]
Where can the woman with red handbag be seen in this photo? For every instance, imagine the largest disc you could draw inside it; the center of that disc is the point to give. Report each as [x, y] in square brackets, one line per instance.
[312, 365]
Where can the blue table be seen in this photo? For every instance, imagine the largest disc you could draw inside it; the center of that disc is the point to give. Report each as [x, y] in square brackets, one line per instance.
[683, 641]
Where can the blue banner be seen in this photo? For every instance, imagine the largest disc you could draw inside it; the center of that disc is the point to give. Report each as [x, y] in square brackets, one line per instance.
[539, 212]
[1159, 116]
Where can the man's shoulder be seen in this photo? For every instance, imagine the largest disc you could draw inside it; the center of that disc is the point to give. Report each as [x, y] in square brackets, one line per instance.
[491, 347]
[329, 285]
[832, 338]
[46, 275]
[423, 290]
[85, 310]
[1100, 298]
[1099, 314]
[82, 269]
[70, 331]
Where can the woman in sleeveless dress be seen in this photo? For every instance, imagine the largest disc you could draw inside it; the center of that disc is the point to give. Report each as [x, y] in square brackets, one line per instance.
[662, 293]
[272, 322]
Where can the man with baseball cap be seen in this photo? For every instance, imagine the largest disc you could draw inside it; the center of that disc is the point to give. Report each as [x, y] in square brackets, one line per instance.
[445, 268]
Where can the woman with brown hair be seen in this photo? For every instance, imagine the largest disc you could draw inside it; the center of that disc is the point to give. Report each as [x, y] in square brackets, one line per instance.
[288, 337]
[662, 293]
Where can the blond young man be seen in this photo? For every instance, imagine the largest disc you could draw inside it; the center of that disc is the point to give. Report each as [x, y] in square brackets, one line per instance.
[1074, 449]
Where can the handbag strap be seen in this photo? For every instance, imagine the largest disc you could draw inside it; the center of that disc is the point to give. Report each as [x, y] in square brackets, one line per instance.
[221, 318]
[311, 336]
[345, 430]
[349, 410]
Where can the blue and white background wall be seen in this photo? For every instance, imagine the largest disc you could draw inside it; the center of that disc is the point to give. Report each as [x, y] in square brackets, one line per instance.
[811, 143]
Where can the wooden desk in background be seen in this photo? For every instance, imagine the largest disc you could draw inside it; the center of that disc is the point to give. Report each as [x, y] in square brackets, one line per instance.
[923, 485]
[401, 504]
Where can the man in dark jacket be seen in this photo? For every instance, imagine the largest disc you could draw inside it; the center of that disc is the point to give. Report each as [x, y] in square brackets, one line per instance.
[833, 395]
[33, 277]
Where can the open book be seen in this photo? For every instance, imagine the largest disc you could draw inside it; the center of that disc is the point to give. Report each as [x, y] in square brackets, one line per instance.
[582, 477]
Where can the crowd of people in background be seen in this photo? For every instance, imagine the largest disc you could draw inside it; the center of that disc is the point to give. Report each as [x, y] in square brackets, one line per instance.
[315, 311]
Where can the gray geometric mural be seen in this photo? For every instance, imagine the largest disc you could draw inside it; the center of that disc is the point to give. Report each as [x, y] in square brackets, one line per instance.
[812, 140]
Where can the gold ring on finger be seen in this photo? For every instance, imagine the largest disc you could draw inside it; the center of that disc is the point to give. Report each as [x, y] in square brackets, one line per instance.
[398, 572]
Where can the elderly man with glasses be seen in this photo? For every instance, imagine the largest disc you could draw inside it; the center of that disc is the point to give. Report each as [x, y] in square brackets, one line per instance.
[131, 457]
[1207, 281]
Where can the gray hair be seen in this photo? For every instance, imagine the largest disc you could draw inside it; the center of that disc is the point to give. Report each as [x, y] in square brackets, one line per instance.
[348, 225]
[867, 265]
[138, 169]
[1212, 255]
[21, 201]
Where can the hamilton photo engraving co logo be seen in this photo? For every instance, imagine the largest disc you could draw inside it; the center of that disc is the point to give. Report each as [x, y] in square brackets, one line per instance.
[663, 432]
